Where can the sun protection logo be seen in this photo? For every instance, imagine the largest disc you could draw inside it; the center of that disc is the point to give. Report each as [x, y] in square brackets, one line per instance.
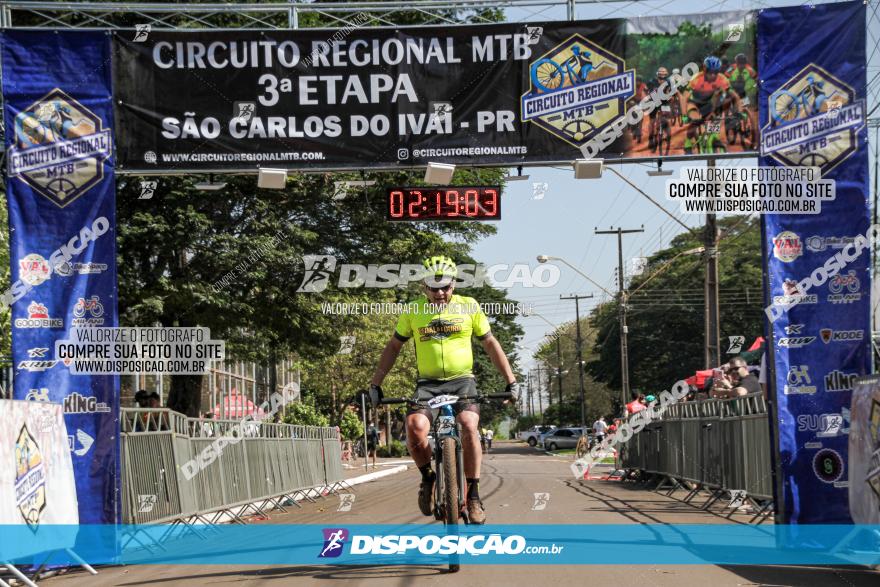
[787, 246]
[59, 148]
[334, 539]
[322, 270]
[576, 90]
[814, 121]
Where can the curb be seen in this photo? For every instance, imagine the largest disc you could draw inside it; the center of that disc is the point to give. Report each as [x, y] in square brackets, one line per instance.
[375, 475]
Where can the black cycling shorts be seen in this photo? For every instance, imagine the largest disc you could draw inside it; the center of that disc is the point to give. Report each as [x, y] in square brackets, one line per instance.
[463, 387]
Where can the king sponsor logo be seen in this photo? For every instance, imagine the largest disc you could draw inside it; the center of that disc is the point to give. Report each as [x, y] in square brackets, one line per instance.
[839, 381]
[76, 403]
[814, 121]
[576, 90]
[59, 148]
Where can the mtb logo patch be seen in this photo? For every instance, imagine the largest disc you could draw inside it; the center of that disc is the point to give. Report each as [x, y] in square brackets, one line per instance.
[576, 90]
[59, 148]
[814, 120]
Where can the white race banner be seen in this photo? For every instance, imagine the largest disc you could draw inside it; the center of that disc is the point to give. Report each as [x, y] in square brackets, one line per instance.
[36, 474]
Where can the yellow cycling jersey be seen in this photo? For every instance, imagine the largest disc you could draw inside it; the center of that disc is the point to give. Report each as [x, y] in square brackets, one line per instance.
[443, 335]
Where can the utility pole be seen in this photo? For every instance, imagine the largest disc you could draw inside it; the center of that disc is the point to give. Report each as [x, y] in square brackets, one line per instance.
[559, 369]
[712, 312]
[621, 307]
[579, 344]
[529, 392]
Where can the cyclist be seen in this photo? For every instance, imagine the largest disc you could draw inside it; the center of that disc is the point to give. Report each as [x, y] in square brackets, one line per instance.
[706, 95]
[661, 76]
[441, 325]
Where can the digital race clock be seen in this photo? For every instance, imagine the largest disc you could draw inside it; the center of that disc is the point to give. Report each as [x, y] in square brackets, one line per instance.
[448, 203]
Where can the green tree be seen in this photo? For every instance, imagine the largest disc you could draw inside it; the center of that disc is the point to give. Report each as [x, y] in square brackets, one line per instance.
[666, 316]
[350, 426]
[304, 413]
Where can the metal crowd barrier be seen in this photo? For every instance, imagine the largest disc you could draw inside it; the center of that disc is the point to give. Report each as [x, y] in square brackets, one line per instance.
[718, 446]
[179, 469]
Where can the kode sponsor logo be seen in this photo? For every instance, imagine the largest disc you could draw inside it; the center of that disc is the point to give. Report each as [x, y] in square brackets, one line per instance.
[76, 403]
[33, 269]
[38, 317]
[840, 381]
[828, 335]
[787, 246]
[799, 381]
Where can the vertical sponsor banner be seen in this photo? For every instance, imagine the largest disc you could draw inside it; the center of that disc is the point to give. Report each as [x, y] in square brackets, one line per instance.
[812, 113]
[61, 191]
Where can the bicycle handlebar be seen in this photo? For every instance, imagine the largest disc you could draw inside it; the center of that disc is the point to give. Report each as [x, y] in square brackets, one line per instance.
[506, 395]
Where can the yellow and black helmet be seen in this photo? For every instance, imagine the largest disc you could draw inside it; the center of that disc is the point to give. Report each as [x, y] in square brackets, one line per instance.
[439, 270]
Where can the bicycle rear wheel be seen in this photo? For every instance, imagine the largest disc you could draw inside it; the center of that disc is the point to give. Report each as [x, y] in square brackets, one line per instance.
[450, 490]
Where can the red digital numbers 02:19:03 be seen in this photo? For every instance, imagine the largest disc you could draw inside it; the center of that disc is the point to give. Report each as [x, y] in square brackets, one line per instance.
[450, 203]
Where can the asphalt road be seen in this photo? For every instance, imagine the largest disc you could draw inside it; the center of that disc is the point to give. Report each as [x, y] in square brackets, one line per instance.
[512, 474]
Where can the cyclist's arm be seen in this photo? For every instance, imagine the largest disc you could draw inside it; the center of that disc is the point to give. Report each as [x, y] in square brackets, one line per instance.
[386, 361]
[498, 358]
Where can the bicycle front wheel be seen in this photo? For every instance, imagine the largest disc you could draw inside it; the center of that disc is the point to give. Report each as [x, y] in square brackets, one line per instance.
[450, 482]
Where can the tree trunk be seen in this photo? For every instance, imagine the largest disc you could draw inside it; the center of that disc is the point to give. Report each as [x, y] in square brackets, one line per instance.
[186, 394]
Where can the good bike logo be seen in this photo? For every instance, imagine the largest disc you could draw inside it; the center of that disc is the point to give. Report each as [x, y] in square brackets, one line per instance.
[320, 271]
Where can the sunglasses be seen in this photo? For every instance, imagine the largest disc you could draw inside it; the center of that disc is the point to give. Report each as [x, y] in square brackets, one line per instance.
[439, 289]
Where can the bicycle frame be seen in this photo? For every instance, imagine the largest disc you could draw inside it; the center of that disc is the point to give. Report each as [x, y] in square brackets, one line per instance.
[440, 431]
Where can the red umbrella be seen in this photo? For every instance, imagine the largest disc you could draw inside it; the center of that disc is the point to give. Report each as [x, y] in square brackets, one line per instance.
[237, 406]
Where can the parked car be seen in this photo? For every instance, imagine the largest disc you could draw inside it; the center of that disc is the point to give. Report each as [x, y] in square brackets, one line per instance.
[534, 435]
[563, 438]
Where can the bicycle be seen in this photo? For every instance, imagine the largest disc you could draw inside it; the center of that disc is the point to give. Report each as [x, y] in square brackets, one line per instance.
[449, 486]
[709, 137]
[92, 305]
[737, 123]
[850, 281]
[548, 75]
[793, 104]
[662, 129]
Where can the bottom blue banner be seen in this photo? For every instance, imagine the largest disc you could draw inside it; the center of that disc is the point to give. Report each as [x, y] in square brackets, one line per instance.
[277, 544]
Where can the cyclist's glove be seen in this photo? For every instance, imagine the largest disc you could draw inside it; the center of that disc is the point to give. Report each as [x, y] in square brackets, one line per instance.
[375, 395]
[513, 389]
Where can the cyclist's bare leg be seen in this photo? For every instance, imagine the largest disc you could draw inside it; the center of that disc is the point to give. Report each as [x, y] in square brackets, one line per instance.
[470, 443]
[417, 428]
